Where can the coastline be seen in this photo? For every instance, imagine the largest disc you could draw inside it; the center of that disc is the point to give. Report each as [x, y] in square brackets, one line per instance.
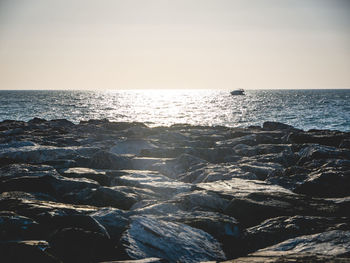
[105, 191]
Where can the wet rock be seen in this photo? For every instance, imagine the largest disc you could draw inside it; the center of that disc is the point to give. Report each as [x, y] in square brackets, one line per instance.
[148, 237]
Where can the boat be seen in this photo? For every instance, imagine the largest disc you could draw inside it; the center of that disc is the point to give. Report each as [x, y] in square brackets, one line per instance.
[237, 92]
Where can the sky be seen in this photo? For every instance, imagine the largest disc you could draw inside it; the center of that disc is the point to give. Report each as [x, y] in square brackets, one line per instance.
[185, 44]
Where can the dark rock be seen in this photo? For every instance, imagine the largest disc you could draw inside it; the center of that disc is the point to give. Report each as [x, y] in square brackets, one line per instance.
[108, 160]
[49, 184]
[26, 251]
[131, 146]
[276, 230]
[345, 144]
[78, 245]
[271, 126]
[114, 220]
[316, 152]
[102, 196]
[14, 227]
[37, 121]
[80, 221]
[326, 183]
[323, 139]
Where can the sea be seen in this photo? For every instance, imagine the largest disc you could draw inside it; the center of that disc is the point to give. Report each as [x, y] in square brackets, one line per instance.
[304, 109]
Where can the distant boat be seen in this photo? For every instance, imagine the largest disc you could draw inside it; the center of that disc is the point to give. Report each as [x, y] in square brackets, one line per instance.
[237, 92]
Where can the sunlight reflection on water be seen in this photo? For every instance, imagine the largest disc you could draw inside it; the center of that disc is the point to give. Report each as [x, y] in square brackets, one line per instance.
[301, 108]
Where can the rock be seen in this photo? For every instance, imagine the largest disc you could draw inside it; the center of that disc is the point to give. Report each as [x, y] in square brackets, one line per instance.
[145, 260]
[185, 162]
[114, 220]
[102, 196]
[245, 150]
[331, 243]
[261, 170]
[78, 245]
[214, 172]
[37, 154]
[263, 200]
[107, 160]
[151, 180]
[201, 200]
[81, 221]
[148, 237]
[40, 210]
[281, 257]
[49, 184]
[326, 183]
[329, 139]
[271, 126]
[13, 227]
[224, 228]
[345, 144]
[276, 230]
[131, 146]
[26, 251]
[316, 152]
[97, 175]
[20, 170]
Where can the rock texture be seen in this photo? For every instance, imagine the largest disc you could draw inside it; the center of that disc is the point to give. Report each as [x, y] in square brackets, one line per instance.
[101, 191]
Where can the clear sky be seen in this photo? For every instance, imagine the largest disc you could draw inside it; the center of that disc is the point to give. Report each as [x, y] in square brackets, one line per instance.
[217, 44]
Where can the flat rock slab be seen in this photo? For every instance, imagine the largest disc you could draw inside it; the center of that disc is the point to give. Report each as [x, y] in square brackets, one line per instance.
[237, 187]
[151, 180]
[149, 237]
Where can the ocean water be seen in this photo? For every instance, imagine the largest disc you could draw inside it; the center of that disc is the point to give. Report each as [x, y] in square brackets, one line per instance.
[305, 109]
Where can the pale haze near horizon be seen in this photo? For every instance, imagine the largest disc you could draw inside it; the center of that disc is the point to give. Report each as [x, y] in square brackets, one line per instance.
[160, 44]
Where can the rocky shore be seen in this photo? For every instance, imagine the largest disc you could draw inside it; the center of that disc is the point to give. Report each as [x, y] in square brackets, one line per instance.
[101, 191]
